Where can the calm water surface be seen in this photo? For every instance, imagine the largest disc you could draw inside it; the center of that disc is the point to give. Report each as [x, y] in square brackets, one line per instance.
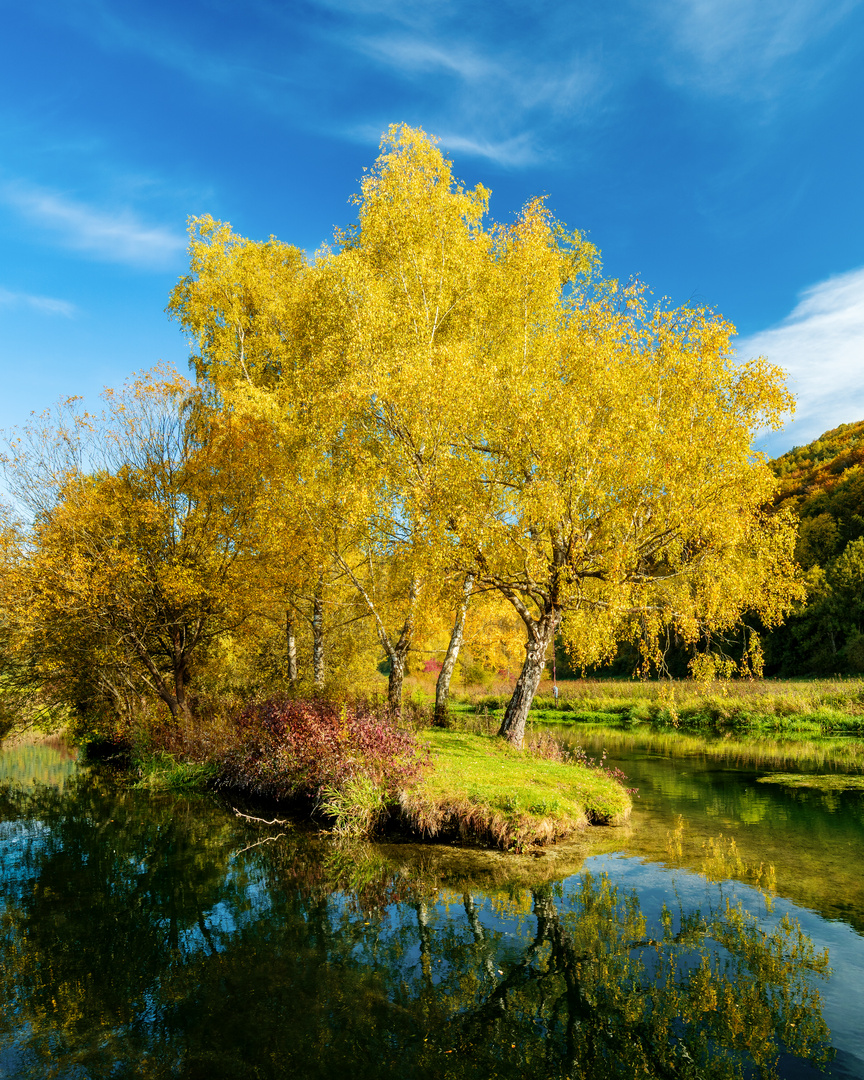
[146, 935]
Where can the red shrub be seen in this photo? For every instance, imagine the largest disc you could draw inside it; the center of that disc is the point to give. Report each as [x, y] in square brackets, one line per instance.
[291, 748]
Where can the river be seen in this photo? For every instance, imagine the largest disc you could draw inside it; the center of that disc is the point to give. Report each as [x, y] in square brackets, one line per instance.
[156, 935]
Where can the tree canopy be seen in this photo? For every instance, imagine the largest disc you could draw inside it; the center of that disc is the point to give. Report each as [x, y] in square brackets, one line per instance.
[432, 399]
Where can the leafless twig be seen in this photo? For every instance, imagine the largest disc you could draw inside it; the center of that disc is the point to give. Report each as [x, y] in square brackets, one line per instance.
[257, 843]
[250, 817]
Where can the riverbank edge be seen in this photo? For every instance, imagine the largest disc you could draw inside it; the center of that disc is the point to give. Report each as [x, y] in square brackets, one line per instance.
[698, 721]
[478, 790]
[483, 790]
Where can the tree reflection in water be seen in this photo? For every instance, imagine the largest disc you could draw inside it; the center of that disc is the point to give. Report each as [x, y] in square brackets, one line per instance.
[136, 941]
[710, 994]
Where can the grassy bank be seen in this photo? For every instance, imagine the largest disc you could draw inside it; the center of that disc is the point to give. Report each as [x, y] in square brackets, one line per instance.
[353, 768]
[813, 707]
[481, 789]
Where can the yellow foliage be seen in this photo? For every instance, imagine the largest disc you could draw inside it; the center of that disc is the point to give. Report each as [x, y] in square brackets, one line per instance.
[434, 397]
[143, 560]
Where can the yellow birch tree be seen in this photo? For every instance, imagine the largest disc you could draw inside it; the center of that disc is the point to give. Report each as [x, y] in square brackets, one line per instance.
[610, 489]
[144, 559]
[455, 398]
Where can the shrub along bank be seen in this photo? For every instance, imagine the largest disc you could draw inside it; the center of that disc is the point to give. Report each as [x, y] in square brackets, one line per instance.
[350, 764]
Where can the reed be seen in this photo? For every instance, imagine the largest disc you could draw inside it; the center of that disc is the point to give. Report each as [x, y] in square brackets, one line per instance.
[813, 707]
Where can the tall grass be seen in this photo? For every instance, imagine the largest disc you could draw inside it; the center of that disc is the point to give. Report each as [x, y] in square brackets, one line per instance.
[826, 705]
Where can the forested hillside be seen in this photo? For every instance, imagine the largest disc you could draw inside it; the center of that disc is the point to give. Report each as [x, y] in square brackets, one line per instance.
[823, 483]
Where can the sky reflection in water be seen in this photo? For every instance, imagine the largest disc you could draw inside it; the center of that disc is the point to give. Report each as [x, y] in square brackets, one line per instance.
[139, 939]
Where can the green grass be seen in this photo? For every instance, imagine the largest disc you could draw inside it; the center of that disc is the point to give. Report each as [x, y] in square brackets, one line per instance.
[482, 789]
[711, 716]
[479, 789]
[815, 707]
[161, 771]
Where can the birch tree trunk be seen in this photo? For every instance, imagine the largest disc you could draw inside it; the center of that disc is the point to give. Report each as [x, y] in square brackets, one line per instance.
[398, 654]
[425, 942]
[541, 632]
[398, 651]
[318, 634]
[477, 931]
[394, 682]
[442, 687]
[292, 646]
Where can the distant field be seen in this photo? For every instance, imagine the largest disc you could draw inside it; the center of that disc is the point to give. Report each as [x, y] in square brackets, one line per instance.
[813, 706]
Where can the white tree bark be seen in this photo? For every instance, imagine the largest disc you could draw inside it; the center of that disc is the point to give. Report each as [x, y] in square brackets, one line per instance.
[541, 633]
[318, 672]
[292, 645]
[442, 687]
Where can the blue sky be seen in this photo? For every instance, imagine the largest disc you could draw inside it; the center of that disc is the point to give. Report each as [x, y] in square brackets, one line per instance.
[713, 147]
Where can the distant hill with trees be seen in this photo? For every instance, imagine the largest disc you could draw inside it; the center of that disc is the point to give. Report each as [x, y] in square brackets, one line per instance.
[823, 482]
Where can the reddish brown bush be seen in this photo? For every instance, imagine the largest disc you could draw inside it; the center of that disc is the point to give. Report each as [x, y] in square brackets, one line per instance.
[288, 749]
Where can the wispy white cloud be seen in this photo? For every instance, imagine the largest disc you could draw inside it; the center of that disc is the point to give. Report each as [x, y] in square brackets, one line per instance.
[519, 150]
[496, 93]
[494, 101]
[551, 74]
[513, 152]
[743, 49]
[413, 56]
[513, 84]
[117, 236]
[47, 304]
[821, 345]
